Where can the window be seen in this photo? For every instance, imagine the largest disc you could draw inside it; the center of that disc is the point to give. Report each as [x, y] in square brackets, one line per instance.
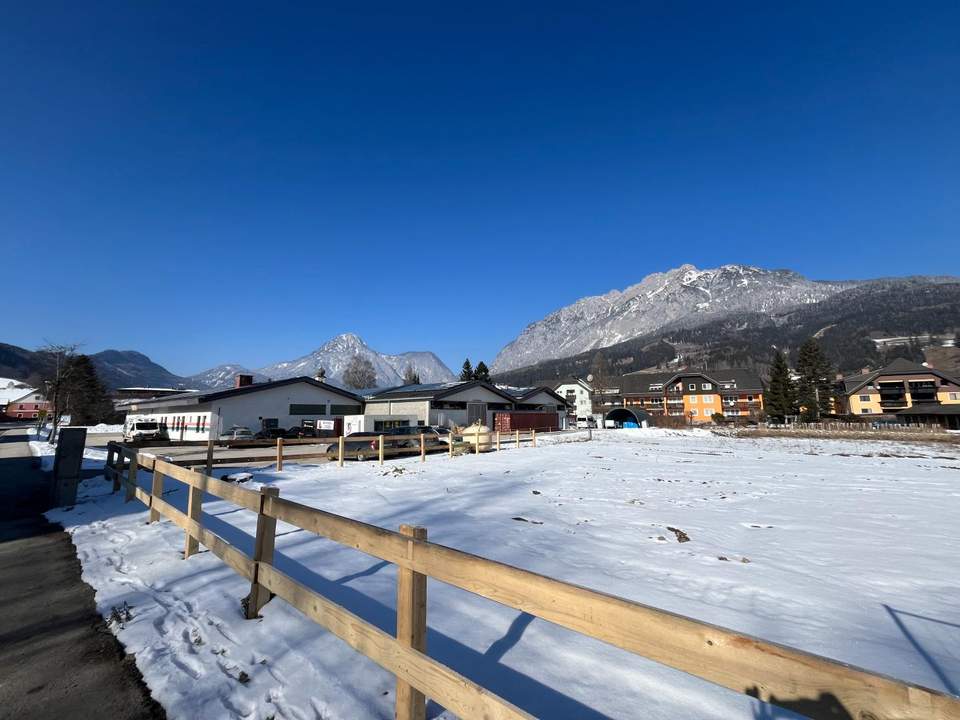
[954, 396]
[344, 410]
[656, 386]
[864, 398]
[706, 386]
[731, 411]
[307, 409]
[693, 398]
[692, 386]
[708, 399]
[865, 411]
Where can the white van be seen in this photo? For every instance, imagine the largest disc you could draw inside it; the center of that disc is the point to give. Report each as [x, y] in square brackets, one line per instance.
[138, 430]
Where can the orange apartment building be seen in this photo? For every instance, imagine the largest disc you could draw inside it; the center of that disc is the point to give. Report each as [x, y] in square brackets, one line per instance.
[695, 395]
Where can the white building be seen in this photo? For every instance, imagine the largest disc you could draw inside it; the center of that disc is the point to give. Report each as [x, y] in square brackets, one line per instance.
[578, 394]
[284, 404]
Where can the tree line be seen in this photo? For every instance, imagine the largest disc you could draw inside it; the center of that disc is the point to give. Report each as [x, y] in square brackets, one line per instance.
[809, 393]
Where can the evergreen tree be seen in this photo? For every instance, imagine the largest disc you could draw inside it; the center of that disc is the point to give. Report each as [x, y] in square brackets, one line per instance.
[466, 373]
[359, 373]
[411, 376]
[780, 399]
[481, 372]
[815, 386]
[86, 398]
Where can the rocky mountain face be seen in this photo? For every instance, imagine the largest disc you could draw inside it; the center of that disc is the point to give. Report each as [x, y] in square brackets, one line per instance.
[923, 312]
[334, 355]
[683, 296]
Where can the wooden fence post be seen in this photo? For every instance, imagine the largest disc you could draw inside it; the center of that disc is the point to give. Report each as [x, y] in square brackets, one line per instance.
[156, 491]
[381, 449]
[112, 462]
[262, 553]
[423, 448]
[279, 453]
[194, 500]
[209, 466]
[533, 436]
[518, 438]
[476, 450]
[453, 438]
[132, 470]
[340, 451]
[411, 626]
[498, 441]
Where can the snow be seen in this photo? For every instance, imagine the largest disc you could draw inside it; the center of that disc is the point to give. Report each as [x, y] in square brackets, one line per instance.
[843, 548]
[12, 390]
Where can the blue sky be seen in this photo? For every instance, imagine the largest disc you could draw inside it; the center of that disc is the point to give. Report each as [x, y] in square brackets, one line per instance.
[211, 182]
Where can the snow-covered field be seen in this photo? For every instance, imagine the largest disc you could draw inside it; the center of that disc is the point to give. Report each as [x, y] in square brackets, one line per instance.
[843, 548]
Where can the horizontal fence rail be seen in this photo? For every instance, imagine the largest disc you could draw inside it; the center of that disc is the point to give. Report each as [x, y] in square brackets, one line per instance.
[768, 671]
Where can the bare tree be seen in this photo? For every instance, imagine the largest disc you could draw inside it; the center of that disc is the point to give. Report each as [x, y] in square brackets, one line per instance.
[359, 373]
[57, 385]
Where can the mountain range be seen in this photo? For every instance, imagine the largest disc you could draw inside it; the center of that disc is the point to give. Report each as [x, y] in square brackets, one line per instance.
[860, 324]
[683, 296]
[728, 316]
[128, 368]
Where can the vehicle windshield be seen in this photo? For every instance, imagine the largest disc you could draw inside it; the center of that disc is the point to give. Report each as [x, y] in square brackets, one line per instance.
[147, 426]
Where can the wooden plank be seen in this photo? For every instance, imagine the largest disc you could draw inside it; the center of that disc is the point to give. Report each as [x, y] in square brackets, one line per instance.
[340, 451]
[262, 553]
[772, 672]
[411, 628]
[380, 449]
[423, 448]
[453, 691]
[279, 453]
[237, 495]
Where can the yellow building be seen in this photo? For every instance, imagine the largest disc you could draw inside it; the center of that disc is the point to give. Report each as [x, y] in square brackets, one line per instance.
[695, 395]
[904, 391]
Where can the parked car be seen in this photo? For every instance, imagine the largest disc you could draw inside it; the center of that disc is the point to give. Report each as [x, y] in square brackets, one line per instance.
[296, 433]
[141, 430]
[238, 432]
[271, 434]
[363, 445]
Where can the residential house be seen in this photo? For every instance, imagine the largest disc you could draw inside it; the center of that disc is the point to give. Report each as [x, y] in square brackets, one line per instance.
[578, 395]
[22, 403]
[696, 395]
[904, 391]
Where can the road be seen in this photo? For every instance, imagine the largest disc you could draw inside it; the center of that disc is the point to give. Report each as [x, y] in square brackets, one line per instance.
[57, 657]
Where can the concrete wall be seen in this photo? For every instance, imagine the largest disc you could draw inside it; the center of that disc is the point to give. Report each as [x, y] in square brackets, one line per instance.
[418, 408]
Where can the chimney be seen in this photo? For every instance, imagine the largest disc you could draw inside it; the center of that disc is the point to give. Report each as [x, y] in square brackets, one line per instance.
[839, 376]
[240, 380]
[864, 371]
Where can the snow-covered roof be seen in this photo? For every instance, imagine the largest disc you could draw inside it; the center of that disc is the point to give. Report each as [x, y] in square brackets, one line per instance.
[12, 390]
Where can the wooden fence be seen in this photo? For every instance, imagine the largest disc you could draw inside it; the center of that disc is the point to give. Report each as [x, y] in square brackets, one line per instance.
[862, 427]
[784, 676]
[378, 447]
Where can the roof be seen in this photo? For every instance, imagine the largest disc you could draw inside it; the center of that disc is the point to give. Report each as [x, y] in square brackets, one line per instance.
[572, 381]
[640, 382]
[435, 391]
[522, 394]
[12, 394]
[931, 409]
[194, 398]
[900, 366]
